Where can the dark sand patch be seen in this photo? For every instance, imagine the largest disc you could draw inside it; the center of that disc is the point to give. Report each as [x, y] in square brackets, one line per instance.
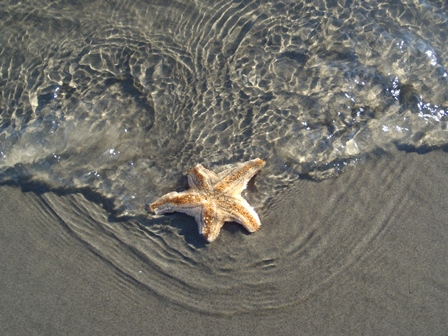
[53, 284]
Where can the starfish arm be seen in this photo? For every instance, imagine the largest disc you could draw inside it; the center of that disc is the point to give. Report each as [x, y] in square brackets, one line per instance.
[234, 180]
[186, 202]
[201, 178]
[211, 223]
[238, 210]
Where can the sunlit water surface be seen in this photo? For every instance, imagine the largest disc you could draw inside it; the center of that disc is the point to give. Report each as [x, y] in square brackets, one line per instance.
[120, 101]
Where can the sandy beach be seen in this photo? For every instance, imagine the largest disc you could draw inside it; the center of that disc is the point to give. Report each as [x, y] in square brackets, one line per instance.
[54, 284]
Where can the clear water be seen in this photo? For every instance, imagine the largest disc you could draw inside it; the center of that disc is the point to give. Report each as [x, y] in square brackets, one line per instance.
[123, 98]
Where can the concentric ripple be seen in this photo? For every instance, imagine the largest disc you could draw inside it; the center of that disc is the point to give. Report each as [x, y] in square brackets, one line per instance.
[121, 100]
[284, 263]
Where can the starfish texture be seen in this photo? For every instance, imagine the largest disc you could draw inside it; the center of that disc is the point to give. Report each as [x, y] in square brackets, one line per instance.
[214, 198]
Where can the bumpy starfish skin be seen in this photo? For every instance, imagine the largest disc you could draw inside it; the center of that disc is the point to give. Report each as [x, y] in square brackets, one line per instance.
[214, 198]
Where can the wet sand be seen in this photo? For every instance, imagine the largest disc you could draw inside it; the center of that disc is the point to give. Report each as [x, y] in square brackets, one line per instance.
[53, 284]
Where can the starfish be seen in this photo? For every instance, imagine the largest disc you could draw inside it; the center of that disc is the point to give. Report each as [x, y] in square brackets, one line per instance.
[214, 198]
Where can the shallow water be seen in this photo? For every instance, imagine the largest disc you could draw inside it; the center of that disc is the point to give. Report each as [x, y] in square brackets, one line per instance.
[122, 99]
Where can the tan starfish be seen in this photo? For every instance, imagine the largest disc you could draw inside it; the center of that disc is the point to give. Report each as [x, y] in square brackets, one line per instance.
[214, 198]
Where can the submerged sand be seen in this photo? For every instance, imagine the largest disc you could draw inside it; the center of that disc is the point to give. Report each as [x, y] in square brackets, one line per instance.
[54, 284]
